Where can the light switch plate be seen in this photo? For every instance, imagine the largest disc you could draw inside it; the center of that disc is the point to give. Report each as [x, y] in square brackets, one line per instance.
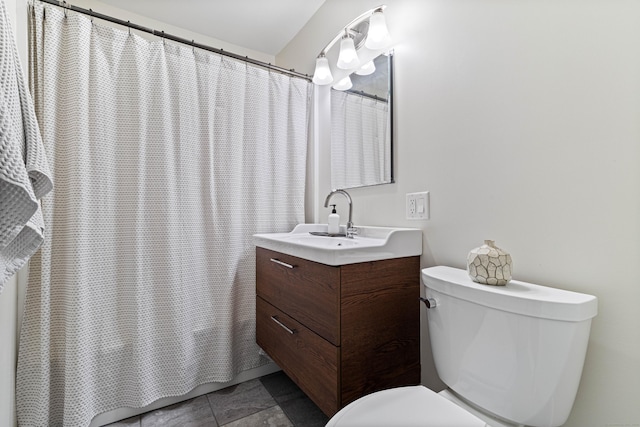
[418, 205]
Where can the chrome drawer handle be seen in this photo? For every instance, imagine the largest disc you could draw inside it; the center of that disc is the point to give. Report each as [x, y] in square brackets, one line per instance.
[284, 264]
[275, 319]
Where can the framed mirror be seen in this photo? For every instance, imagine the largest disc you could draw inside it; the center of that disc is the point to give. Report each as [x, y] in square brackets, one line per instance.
[362, 129]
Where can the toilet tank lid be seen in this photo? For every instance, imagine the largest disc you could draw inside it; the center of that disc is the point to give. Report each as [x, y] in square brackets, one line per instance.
[516, 297]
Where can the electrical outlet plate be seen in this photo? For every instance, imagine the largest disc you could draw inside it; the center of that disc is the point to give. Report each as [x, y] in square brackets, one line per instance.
[418, 205]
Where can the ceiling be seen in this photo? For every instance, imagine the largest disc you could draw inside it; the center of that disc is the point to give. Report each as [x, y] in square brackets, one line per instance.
[263, 25]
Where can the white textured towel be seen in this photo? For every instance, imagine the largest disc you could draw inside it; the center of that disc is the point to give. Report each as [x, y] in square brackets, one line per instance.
[24, 172]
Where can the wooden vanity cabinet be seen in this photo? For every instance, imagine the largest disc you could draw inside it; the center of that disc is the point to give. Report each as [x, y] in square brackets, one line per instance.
[340, 332]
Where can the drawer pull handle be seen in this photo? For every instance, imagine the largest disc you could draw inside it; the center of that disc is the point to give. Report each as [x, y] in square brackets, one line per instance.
[275, 319]
[284, 264]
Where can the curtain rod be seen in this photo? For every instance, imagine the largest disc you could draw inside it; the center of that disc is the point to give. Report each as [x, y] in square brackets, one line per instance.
[162, 34]
[366, 95]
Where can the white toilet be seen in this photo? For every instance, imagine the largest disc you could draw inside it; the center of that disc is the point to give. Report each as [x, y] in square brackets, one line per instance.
[510, 356]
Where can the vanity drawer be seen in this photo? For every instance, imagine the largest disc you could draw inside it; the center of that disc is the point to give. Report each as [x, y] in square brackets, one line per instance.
[307, 291]
[310, 361]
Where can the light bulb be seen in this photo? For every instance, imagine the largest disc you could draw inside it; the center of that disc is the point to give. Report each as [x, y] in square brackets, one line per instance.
[366, 69]
[343, 84]
[378, 36]
[348, 58]
[322, 74]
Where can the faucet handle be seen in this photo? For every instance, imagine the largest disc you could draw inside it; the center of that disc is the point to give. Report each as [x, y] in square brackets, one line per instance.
[352, 231]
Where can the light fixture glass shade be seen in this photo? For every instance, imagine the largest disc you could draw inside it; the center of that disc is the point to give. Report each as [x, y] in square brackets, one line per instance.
[378, 36]
[322, 75]
[343, 84]
[366, 69]
[348, 57]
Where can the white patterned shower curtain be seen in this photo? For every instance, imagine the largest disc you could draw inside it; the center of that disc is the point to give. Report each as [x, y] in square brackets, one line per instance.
[360, 144]
[166, 160]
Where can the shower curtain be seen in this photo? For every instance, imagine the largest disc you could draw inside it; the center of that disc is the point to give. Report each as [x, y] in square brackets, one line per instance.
[166, 161]
[360, 145]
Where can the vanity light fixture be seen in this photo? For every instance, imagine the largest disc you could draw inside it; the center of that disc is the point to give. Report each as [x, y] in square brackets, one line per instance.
[348, 57]
[323, 75]
[368, 30]
[378, 36]
[344, 84]
[366, 69]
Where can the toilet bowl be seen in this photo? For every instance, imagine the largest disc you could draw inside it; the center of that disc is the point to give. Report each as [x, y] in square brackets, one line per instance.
[510, 356]
[412, 406]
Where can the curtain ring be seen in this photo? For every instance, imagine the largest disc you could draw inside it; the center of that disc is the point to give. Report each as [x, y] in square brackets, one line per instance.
[193, 46]
[163, 40]
[64, 7]
[129, 26]
[91, 14]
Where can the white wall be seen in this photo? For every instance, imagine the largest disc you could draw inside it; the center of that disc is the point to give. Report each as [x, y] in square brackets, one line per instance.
[522, 118]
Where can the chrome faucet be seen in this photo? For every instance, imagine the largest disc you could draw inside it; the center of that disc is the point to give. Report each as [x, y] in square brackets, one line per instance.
[351, 230]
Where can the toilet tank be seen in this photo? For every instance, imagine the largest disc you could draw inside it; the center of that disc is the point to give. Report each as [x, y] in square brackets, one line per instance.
[516, 351]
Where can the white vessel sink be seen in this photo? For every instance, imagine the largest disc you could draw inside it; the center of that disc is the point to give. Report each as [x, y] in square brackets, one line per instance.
[371, 244]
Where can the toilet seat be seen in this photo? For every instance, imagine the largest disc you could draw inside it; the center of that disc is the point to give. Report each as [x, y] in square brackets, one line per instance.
[404, 406]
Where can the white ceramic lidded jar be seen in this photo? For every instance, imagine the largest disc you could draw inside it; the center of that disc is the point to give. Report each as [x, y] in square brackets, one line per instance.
[489, 265]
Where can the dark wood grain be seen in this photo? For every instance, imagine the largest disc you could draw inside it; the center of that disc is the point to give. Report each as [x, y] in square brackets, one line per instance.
[309, 360]
[310, 292]
[380, 326]
[357, 325]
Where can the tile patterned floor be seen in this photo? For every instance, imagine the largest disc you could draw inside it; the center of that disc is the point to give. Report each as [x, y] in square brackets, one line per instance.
[273, 400]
